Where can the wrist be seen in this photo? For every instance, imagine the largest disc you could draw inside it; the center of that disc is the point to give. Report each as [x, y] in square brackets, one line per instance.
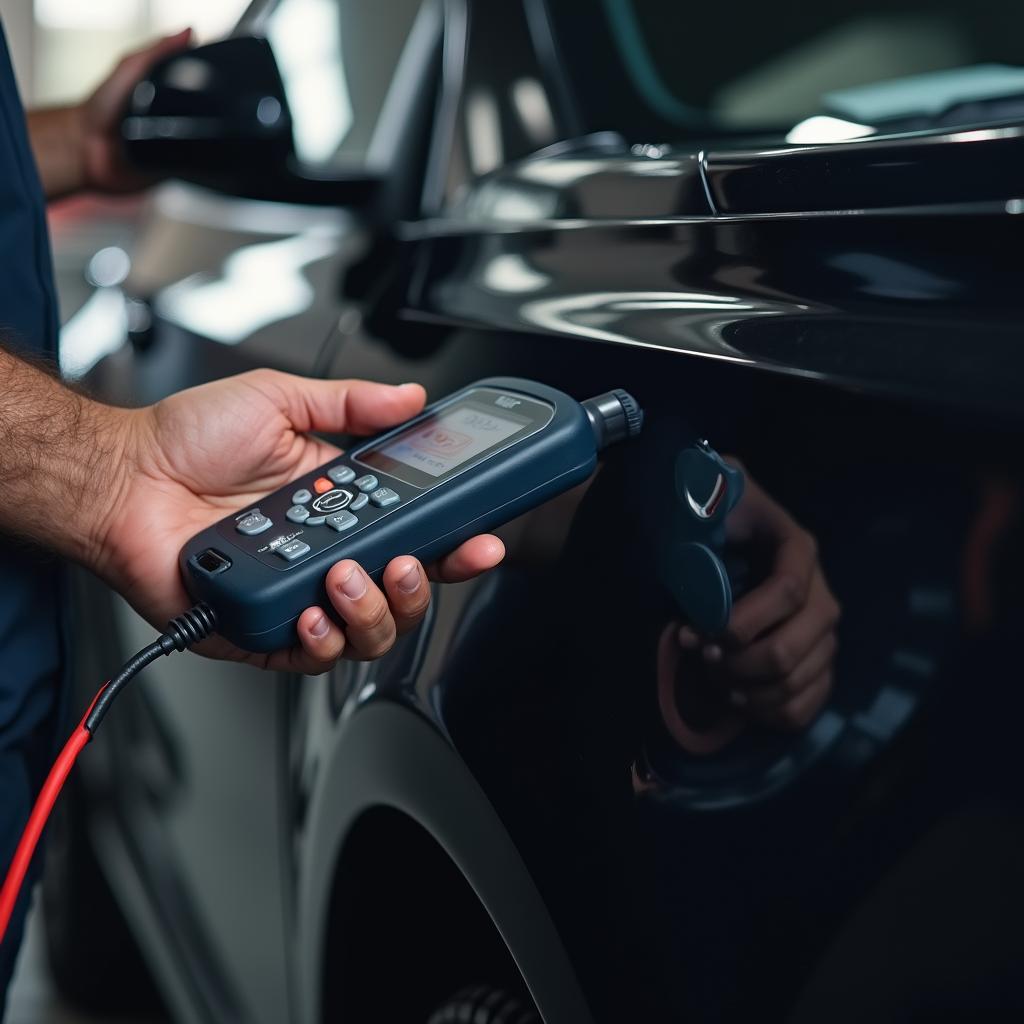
[119, 442]
[64, 453]
[58, 139]
[76, 125]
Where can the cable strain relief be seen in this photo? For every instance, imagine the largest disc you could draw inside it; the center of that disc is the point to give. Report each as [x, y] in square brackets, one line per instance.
[188, 629]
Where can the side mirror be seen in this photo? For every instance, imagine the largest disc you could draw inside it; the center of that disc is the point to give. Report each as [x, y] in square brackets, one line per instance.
[218, 116]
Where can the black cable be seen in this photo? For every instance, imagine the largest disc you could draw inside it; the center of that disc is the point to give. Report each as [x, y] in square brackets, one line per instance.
[181, 633]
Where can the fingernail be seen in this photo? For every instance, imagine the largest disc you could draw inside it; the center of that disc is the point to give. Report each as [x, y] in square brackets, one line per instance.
[320, 627]
[410, 581]
[353, 586]
[737, 698]
[712, 653]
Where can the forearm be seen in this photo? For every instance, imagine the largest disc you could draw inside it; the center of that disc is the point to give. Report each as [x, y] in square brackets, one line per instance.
[64, 462]
[57, 142]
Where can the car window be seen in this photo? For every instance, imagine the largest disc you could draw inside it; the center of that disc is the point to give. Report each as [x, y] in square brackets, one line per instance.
[337, 59]
[698, 68]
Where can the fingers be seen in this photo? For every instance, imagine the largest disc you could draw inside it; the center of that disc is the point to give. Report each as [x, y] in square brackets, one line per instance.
[131, 68]
[784, 678]
[373, 617]
[321, 642]
[802, 709]
[338, 406]
[475, 556]
[779, 653]
[164, 47]
[370, 628]
[408, 593]
[770, 697]
[781, 595]
[372, 623]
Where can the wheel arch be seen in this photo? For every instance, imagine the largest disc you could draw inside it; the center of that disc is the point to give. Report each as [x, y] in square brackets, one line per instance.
[389, 759]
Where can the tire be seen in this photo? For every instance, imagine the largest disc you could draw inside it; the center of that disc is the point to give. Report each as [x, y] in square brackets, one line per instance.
[95, 963]
[483, 1004]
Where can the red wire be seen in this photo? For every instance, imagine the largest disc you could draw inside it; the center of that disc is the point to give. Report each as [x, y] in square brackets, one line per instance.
[38, 818]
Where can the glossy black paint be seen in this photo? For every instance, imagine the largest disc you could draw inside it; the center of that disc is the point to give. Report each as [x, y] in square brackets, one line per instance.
[857, 345]
[918, 302]
[921, 169]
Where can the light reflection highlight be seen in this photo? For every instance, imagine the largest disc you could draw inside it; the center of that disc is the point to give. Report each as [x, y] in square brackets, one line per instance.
[823, 129]
[531, 104]
[483, 132]
[305, 36]
[593, 315]
[259, 285]
[99, 328]
[510, 273]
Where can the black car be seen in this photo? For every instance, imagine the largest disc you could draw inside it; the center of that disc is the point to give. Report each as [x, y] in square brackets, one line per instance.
[794, 233]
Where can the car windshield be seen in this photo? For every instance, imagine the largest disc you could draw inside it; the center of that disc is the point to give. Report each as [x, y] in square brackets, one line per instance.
[652, 70]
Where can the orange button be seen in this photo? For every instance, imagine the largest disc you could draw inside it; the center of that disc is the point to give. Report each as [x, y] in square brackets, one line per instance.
[322, 485]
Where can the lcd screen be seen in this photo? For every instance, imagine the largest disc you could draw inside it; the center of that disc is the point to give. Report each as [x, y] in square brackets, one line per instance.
[442, 443]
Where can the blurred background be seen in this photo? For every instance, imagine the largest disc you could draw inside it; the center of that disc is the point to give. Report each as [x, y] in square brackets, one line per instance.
[61, 50]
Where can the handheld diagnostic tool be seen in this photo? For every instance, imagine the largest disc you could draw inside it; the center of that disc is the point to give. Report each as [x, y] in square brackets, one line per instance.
[465, 465]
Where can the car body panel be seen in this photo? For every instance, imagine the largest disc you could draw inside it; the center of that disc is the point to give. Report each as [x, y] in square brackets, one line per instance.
[860, 357]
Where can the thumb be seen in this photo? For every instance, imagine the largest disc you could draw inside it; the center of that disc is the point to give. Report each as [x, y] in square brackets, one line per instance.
[340, 406]
[137, 64]
[113, 92]
[142, 60]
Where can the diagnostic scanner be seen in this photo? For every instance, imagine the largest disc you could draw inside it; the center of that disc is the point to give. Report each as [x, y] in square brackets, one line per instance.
[465, 465]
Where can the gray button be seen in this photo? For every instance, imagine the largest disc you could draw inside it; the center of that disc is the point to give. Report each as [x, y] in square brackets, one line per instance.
[341, 474]
[297, 513]
[341, 521]
[293, 549]
[358, 502]
[252, 523]
[367, 483]
[383, 497]
[301, 497]
[315, 521]
[333, 501]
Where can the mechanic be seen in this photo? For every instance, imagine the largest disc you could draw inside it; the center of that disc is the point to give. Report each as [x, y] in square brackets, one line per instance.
[120, 490]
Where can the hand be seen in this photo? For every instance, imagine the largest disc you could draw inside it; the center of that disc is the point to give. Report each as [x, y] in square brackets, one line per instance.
[201, 454]
[776, 654]
[103, 167]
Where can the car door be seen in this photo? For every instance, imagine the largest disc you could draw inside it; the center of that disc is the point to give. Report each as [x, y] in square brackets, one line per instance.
[843, 318]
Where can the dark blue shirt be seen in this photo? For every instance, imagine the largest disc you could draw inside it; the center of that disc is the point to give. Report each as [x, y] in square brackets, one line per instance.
[31, 638]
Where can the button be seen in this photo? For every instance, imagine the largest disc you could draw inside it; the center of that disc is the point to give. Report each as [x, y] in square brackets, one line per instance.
[301, 497]
[333, 501]
[252, 523]
[383, 497]
[342, 474]
[358, 502]
[341, 521]
[297, 513]
[322, 485]
[293, 549]
[315, 521]
[367, 483]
